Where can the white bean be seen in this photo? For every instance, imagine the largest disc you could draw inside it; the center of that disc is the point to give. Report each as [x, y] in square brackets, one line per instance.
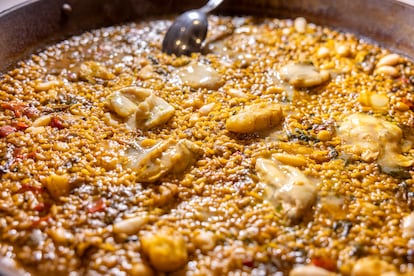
[290, 159]
[408, 226]
[206, 109]
[388, 70]
[300, 24]
[343, 50]
[310, 270]
[237, 93]
[205, 240]
[60, 235]
[42, 121]
[390, 60]
[372, 266]
[44, 86]
[323, 52]
[130, 226]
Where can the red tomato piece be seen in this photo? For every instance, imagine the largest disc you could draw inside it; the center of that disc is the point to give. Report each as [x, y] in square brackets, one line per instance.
[40, 220]
[325, 263]
[98, 206]
[7, 130]
[56, 123]
[26, 187]
[17, 108]
[20, 125]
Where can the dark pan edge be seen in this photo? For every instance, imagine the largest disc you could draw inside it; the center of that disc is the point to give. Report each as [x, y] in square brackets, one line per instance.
[35, 23]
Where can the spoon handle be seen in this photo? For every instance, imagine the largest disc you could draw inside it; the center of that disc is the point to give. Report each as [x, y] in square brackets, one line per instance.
[211, 5]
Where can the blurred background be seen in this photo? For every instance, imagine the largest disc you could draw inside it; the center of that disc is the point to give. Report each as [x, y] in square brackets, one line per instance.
[6, 4]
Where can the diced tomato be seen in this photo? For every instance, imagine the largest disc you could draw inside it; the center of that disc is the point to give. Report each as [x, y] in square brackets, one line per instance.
[405, 80]
[20, 125]
[19, 156]
[31, 112]
[408, 102]
[326, 263]
[40, 220]
[39, 207]
[26, 187]
[56, 123]
[17, 153]
[6, 106]
[31, 155]
[7, 130]
[42, 207]
[17, 108]
[248, 263]
[98, 206]
[20, 109]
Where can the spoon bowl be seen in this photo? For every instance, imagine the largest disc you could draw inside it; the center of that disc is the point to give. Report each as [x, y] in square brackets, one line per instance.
[188, 32]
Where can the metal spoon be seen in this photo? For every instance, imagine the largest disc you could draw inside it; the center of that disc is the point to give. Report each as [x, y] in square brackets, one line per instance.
[186, 35]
